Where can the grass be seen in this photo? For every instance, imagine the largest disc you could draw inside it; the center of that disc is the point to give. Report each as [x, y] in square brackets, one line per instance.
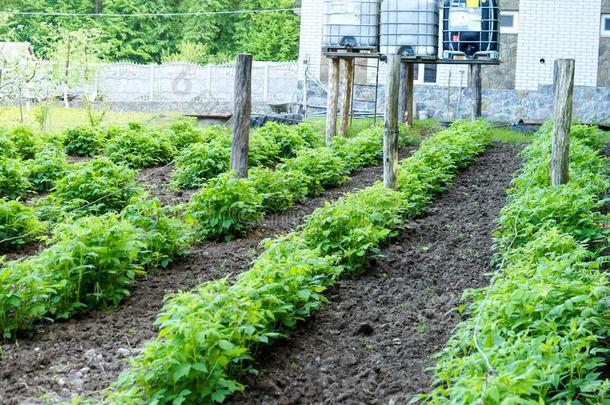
[60, 118]
[511, 136]
[424, 127]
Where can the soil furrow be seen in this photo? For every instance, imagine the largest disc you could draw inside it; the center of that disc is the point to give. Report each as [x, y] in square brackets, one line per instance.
[373, 342]
[83, 355]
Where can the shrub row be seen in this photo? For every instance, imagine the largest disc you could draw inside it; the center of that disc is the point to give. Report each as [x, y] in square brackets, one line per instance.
[223, 208]
[269, 145]
[91, 263]
[538, 333]
[208, 335]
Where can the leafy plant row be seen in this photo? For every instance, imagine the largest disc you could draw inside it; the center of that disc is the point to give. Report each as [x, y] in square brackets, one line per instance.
[207, 336]
[56, 284]
[538, 333]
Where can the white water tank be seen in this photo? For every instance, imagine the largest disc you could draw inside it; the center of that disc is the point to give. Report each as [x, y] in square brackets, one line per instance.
[352, 25]
[410, 28]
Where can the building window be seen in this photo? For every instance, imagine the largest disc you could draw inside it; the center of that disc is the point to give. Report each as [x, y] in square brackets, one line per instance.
[509, 22]
[425, 74]
[606, 25]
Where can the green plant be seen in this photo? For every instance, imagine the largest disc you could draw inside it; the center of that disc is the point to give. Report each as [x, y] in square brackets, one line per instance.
[18, 225]
[25, 142]
[184, 133]
[139, 149]
[47, 166]
[201, 162]
[14, 181]
[90, 265]
[263, 150]
[165, 237]
[321, 165]
[290, 138]
[95, 187]
[360, 151]
[222, 209]
[280, 190]
[82, 141]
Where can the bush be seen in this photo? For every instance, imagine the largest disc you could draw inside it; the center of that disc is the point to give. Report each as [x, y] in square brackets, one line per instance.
[14, 181]
[91, 264]
[47, 166]
[201, 162]
[139, 149]
[352, 228]
[18, 224]
[221, 210]
[364, 150]
[165, 237]
[280, 189]
[26, 143]
[263, 151]
[7, 148]
[82, 141]
[290, 138]
[321, 165]
[185, 133]
[95, 187]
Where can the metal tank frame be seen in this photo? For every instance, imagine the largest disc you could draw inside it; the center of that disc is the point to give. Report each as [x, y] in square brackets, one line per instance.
[360, 34]
[427, 17]
[489, 39]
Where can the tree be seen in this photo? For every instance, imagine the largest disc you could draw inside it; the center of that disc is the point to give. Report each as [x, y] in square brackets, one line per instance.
[73, 58]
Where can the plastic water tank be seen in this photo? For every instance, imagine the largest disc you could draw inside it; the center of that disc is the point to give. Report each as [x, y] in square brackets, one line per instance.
[351, 24]
[410, 28]
[471, 29]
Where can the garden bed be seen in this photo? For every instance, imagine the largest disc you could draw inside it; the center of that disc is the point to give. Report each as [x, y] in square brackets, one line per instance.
[372, 343]
[83, 355]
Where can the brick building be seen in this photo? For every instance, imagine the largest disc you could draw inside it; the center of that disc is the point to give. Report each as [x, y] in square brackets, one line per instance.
[534, 34]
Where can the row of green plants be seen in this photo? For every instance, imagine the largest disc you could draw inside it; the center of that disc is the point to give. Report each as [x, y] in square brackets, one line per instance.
[224, 207]
[102, 196]
[538, 333]
[90, 264]
[208, 335]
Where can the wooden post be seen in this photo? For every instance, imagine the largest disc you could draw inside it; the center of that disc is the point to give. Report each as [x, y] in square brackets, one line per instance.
[241, 115]
[332, 100]
[347, 96]
[410, 93]
[475, 85]
[402, 93]
[390, 133]
[564, 89]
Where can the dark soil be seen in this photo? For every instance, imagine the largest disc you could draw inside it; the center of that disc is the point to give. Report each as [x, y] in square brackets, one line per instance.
[84, 355]
[158, 181]
[24, 251]
[373, 342]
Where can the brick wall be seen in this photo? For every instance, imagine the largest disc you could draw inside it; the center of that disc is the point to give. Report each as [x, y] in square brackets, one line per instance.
[310, 48]
[552, 29]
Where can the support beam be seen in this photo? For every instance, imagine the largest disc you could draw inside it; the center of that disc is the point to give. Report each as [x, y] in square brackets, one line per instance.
[390, 133]
[410, 92]
[402, 92]
[241, 115]
[346, 108]
[332, 100]
[564, 93]
[475, 86]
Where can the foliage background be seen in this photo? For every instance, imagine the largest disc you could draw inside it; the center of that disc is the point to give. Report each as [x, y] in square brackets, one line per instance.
[202, 39]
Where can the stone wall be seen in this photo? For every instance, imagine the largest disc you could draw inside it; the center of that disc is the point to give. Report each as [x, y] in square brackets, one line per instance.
[605, 6]
[591, 104]
[502, 76]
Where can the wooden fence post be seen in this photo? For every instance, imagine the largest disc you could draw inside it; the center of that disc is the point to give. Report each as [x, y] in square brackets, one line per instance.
[410, 94]
[332, 100]
[241, 115]
[390, 133]
[347, 96]
[564, 90]
[475, 85]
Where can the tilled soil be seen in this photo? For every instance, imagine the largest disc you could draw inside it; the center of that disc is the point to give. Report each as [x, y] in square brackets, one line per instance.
[373, 342]
[83, 355]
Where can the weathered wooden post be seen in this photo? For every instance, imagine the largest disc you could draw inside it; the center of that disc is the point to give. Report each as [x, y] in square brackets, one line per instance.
[410, 93]
[402, 92]
[564, 91]
[241, 115]
[475, 86]
[332, 100]
[390, 133]
[347, 96]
